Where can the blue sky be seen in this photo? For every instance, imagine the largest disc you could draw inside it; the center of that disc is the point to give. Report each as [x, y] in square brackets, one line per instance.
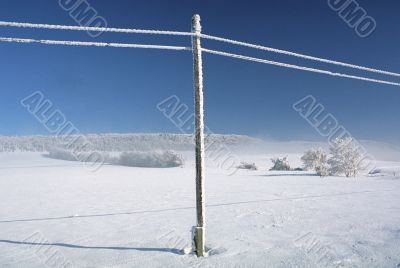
[117, 90]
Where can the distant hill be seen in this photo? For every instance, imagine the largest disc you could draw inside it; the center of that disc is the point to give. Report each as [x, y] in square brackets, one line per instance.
[182, 142]
[122, 142]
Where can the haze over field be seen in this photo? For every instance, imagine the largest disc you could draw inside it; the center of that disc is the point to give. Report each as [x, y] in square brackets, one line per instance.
[181, 142]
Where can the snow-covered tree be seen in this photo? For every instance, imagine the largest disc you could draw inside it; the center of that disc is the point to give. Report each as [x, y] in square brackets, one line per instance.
[280, 164]
[316, 159]
[346, 158]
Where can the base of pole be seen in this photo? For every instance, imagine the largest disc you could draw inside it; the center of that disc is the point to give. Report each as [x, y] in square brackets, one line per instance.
[199, 239]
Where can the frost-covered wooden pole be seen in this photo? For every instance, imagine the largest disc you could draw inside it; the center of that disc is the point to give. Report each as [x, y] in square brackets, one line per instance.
[199, 136]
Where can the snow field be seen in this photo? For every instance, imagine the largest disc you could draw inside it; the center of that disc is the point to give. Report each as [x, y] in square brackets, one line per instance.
[129, 217]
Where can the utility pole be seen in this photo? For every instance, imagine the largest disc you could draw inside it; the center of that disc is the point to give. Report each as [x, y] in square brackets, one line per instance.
[199, 238]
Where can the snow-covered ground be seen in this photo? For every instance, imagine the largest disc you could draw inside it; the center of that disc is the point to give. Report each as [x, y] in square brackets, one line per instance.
[57, 213]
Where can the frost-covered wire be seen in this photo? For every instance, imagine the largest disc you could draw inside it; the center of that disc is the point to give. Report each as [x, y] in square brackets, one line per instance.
[205, 36]
[298, 55]
[297, 67]
[96, 44]
[92, 29]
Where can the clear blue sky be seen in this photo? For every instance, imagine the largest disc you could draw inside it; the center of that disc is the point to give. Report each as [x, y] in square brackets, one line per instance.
[116, 90]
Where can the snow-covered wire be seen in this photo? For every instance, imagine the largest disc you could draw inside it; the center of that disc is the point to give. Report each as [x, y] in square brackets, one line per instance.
[91, 29]
[205, 36]
[297, 67]
[298, 55]
[96, 44]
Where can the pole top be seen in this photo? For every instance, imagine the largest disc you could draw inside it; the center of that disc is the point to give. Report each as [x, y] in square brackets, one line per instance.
[196, 26]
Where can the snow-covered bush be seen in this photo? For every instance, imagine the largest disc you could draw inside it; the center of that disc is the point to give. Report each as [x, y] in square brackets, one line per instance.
[69, 155]
[62, 154]
[323, 170]
[148, 159]
[346, 158]
[246, 165]
[385, 171]
[316, 159]
[156, 159]
[280, 164]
